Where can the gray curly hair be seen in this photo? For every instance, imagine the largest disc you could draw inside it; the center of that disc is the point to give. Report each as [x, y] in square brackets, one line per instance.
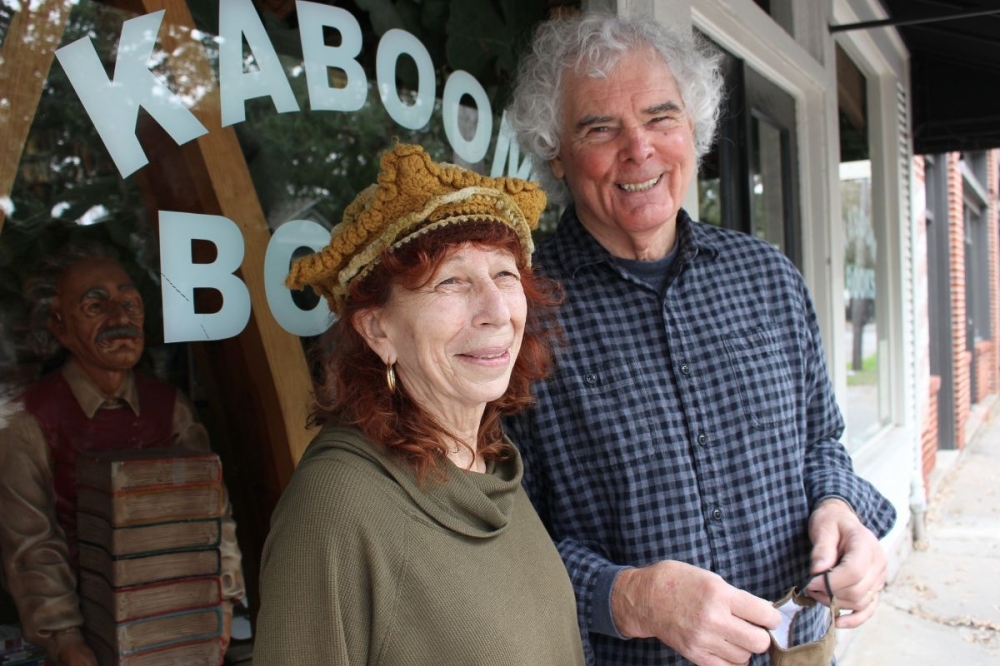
[41, 288]
[593, 43]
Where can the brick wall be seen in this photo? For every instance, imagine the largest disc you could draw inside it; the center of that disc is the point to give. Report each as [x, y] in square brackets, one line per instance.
[929, 437]
[928, 386]
[987, 365]
[985, 369]
[956, 252]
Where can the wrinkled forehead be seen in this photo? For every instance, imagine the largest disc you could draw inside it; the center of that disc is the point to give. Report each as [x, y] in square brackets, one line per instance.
[599, 63]
[641, 81]
[641, 69]
[97, 276]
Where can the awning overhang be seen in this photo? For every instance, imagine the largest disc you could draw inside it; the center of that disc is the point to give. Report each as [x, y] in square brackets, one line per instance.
[954, 50]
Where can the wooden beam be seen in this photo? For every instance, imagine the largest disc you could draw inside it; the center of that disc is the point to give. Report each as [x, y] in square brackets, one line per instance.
[274, 358]
[27, 54]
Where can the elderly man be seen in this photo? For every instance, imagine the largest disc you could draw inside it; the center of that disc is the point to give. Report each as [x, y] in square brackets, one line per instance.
[95, 401]
[684, 455]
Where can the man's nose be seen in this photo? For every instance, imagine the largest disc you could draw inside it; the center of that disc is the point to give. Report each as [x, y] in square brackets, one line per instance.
[117, 311]
[637, 146]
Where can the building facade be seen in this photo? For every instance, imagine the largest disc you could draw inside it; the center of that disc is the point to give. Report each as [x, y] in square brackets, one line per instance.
[213, 142]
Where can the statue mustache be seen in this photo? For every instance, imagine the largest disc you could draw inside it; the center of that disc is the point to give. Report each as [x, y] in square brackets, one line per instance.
[119, 332]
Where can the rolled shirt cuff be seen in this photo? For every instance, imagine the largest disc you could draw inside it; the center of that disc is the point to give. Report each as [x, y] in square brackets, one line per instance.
[601, 619]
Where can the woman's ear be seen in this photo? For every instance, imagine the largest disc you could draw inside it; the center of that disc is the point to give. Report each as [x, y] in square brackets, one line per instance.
[368, 324]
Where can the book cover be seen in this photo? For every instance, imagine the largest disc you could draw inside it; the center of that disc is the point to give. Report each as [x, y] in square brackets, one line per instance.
[123, 638]
[149, 538]
[139, 570]
[131, 603]
[152, 505]
[195, 653]
[115, 471]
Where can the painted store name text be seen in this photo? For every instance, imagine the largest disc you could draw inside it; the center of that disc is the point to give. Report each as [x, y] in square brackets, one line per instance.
[113, 106]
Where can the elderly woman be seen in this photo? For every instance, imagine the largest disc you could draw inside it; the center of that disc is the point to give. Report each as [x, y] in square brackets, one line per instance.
[404, 536]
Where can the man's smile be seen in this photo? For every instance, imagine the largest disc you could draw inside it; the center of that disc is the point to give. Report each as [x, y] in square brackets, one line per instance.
[640, 187]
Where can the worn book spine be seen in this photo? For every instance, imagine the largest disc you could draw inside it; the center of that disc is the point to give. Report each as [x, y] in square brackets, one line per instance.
[149, 538]
[115, 471]
[131, 603]
[158, 631]
[143, 569]
[152, 505]
[194, 653]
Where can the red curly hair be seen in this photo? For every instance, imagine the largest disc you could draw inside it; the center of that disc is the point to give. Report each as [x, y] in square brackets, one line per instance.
[351, 378]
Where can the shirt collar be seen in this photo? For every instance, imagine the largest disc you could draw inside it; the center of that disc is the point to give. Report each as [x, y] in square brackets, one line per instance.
[92, 398]
[576, 248]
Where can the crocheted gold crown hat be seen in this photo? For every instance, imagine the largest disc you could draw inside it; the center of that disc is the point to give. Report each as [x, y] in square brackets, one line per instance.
[413, 195]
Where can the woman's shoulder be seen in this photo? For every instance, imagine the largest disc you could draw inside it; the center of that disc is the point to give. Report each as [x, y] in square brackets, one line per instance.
[340, 478]
[340, 450]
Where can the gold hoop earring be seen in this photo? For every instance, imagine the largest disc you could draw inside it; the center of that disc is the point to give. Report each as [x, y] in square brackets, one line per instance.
[390, 377]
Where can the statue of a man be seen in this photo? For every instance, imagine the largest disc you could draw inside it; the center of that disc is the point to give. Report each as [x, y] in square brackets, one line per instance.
[95, 401]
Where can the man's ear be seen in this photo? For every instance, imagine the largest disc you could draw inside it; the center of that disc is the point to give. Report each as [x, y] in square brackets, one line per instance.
[368, 324]
[556, 165]
[56, 323]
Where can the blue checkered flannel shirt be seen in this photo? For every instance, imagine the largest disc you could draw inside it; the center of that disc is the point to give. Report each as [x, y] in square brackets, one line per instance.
[696, 425]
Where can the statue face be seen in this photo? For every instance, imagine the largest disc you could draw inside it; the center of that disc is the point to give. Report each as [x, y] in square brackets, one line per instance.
[98, 314]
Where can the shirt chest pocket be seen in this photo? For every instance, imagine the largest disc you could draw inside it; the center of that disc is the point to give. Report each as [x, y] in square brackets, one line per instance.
[608, 414]
[762, 370]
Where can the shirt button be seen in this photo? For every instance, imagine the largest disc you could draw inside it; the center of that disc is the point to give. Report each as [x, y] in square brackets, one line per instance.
[685, 370]
[702, 439]
[717, 514]
[591, 378]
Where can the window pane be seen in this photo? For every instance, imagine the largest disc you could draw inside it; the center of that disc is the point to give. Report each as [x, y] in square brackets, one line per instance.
[863, 405]
[287, 157]
[767, 194]
[710, 201]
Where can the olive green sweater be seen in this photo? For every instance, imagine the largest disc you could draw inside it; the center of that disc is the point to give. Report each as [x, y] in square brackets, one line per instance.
[365, 566]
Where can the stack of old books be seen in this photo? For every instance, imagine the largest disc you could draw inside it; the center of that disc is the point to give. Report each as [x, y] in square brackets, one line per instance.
[148, 527]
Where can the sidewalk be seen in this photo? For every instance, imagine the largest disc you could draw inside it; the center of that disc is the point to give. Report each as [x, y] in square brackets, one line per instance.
[943, 607]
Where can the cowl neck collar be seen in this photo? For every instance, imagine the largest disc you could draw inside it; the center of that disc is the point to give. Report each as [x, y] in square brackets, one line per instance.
[468, 503]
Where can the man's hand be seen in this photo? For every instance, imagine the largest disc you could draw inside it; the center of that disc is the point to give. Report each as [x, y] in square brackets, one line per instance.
[694, 611]
[854, 557]
[77, 654]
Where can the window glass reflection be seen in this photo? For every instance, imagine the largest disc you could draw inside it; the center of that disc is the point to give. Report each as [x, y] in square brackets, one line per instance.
[767, 187]
[863, 405]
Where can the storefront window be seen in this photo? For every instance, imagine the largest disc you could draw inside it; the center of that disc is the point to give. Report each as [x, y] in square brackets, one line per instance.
[209, 144]
[767, 171]
[864, 405]
[746, 181]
